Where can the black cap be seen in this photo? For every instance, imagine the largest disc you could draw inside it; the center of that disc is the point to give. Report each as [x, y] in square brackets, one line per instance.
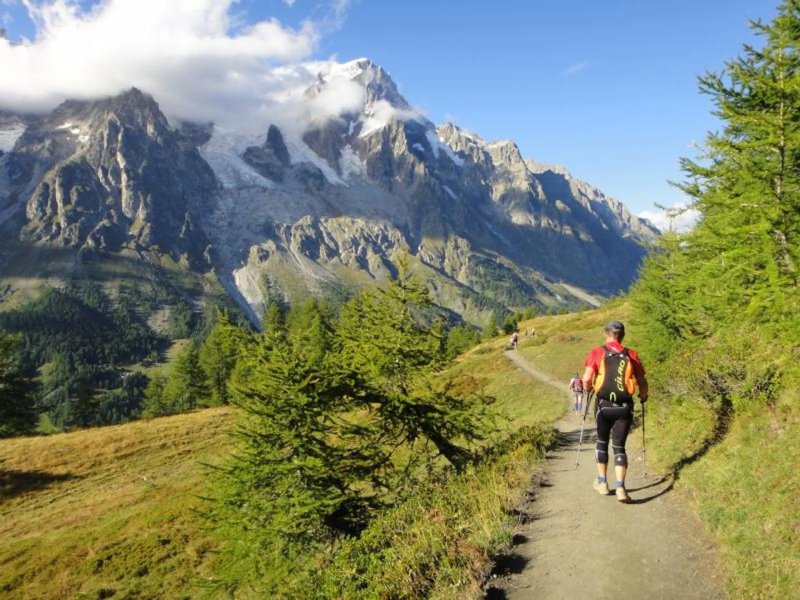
[615, 327]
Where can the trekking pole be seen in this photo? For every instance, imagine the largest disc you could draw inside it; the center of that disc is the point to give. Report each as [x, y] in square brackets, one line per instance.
[644, 448]
[583, 422]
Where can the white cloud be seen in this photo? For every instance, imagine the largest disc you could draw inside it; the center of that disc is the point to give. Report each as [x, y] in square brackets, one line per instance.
[191, 55]
[678, 218]
[573, 69]
[289, 3]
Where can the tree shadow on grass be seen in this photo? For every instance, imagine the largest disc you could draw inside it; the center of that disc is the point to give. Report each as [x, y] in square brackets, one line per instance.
[14, 482]
[722, 424]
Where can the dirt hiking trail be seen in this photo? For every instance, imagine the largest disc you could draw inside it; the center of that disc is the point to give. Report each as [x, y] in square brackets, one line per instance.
[578, 544]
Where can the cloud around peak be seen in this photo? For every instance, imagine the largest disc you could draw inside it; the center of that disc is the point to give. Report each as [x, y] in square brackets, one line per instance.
[191, 55]
[679, 218]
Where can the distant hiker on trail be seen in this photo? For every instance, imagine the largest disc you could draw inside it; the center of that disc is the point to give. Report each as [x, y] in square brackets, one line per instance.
[614, 371]
[576, 387]
[514, 340]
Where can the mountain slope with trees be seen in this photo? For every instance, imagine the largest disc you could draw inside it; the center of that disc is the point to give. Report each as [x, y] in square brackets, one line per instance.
[721, 308]
[139, 490]
[142, 229]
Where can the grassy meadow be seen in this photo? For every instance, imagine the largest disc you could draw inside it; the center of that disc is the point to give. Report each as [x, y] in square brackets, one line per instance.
[112, 511]
[109, 511]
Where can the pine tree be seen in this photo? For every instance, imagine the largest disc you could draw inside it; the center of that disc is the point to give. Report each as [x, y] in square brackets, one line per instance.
[292, 485]
[490, 330]
[392, 355]
[274, 318]
[17, 412]
[84, 405]
[734, 278]
[337, 419]
[218, 356]
[747, 186]
[460, 338]
[511, 322]
[311, 322]
[155, 403]
[187, 387]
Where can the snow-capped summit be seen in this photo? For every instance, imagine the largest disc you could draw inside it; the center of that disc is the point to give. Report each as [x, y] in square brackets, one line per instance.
[377, 82]
[328, 193]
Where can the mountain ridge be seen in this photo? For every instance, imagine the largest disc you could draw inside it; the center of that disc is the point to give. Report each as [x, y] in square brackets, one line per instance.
[282, 213]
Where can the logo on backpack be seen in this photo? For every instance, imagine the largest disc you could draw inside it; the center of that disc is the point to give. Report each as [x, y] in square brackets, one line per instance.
[615, 379]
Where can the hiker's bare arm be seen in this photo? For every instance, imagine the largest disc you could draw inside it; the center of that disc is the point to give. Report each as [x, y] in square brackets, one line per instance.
[588, 379]
[644, 389]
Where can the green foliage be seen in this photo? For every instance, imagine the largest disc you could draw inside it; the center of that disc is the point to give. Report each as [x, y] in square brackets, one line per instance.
[79, 335]
[181, 321]
[340, 417]
[439, 541]
[293, 482]
[511, 322]
[460, 338]
[274, 318]
[17, 413]
[734, 276]
[155, 402]
[722, 308]
[382, 338]
[122, 404]
[84, 406]
[187, 386]
[501, 283]
[218, 356]
[490, 330]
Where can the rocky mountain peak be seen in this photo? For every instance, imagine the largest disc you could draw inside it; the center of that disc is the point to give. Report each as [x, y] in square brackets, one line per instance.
[377, 82]
[271, 159]
[110, 174]
[287, 211]
[458, 138]
[506, 152]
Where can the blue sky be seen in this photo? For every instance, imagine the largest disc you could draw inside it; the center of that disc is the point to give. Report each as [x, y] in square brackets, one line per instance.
[607, 89]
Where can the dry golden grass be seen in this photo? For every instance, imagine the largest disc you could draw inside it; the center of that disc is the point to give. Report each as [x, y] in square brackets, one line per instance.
[108, 511]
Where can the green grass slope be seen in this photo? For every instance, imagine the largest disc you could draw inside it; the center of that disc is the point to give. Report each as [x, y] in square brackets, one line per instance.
[108, 512]
[112, 511]
[743, 482]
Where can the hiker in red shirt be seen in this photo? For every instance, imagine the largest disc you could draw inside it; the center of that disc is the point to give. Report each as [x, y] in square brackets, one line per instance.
[614, 371]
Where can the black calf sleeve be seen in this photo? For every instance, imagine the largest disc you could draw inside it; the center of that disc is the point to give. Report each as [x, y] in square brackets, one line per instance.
[601, 451]
[620, 457]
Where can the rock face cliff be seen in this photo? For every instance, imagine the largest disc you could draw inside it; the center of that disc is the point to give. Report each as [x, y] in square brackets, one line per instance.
[278, 214]
[110, 175]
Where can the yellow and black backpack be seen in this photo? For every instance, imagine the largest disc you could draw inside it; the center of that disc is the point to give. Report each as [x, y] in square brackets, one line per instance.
[615, 380]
